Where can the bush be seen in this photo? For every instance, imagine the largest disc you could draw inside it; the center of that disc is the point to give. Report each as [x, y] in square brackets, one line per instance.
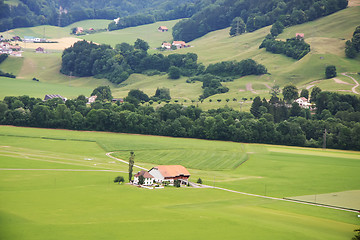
[199, 181]
[330, 71]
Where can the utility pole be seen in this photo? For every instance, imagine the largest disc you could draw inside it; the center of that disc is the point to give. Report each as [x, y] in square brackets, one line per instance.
[324, 142]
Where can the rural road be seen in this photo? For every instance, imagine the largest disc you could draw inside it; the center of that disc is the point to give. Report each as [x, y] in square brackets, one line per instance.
[356, 83]
[279, 199]
[123, 161]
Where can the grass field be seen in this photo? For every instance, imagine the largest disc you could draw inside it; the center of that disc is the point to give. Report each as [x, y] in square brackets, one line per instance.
[51, 204]
[148, 32]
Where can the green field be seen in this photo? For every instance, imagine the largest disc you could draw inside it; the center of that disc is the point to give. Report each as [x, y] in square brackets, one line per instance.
[148, 32]
[49, 197]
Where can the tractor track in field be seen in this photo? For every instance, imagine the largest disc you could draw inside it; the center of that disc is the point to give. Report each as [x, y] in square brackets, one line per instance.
[281, 199]
[356, 82]
[123, 161]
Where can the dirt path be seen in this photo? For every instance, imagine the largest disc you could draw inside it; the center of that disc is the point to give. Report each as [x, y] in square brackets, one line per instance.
[356, 83]
[279, 199]
[123, 161]
[267, 85]
[341, 81]
[249, 88]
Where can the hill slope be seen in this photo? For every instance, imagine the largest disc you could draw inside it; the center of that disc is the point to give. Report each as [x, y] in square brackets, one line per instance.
[326, 37]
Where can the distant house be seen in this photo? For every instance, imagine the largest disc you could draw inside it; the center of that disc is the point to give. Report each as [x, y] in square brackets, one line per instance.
[114, 100]
[166, 45]
[169, 173]
[16, 38]
[51, 96]
[15, 48]
[91, 29]
[40, 50]
[148, 178]
[79, 30]
[116, 20]
[163, 29]
[92, 99]
[179, 44]
[29, 39]
[303, 102]
[16, 54]
[300, 35]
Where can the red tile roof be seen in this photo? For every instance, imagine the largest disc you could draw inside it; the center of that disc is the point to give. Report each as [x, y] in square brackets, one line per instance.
[172, 170]
[144, 173]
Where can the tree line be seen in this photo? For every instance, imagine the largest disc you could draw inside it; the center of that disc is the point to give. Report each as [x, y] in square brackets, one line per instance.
[101, 61]
[250, 15]
[28, 13]
[276, 121]
[352, 47]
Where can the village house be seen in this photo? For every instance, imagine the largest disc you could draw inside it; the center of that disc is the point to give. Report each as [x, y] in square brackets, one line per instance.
[116, 20]
[114, 100]
[300, 35]
[170, 173]
[92, 99]
[51, 96]
[179, 44]
[166, 45]
[40, 50]
[148, 178]
[79, 30]
[303, 102]
[163, 29]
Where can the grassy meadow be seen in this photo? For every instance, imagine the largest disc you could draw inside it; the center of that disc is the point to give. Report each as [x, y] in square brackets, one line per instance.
[60, 191]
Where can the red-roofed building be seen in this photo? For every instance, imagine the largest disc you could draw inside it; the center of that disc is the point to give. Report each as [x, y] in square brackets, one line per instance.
[169, 173]
[299, 35]
[148, 178]
[179, 44]
[163, 29]
[166, 45]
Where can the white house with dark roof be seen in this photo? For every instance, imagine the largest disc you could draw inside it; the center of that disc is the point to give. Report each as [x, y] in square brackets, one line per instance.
[148, 178]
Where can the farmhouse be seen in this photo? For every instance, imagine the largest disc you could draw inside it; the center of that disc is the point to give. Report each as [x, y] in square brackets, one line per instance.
[169, 173]
[51, 96]
[163, 29]
[303, 102]
[148, 178]
[40, 50]
[92, 99]
[79, 30]
[166, 45]
[299, 35]
[179, 44]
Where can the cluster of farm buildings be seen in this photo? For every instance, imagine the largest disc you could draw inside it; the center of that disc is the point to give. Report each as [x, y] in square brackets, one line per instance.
[12, 48]
[163, 174]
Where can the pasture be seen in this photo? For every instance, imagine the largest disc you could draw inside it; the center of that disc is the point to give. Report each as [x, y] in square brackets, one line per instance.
[61, 191]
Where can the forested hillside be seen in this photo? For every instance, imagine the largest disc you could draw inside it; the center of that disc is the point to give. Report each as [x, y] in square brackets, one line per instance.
[255, 14]
[27, 13]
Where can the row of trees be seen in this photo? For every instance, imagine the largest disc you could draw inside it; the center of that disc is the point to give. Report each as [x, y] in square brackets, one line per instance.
[295, 47]
[352, 47]
[274, 121]
[250, 15]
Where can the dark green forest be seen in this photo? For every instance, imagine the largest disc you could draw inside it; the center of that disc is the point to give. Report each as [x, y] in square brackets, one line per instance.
[272, 122]
[254, 13]
[30, 13]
